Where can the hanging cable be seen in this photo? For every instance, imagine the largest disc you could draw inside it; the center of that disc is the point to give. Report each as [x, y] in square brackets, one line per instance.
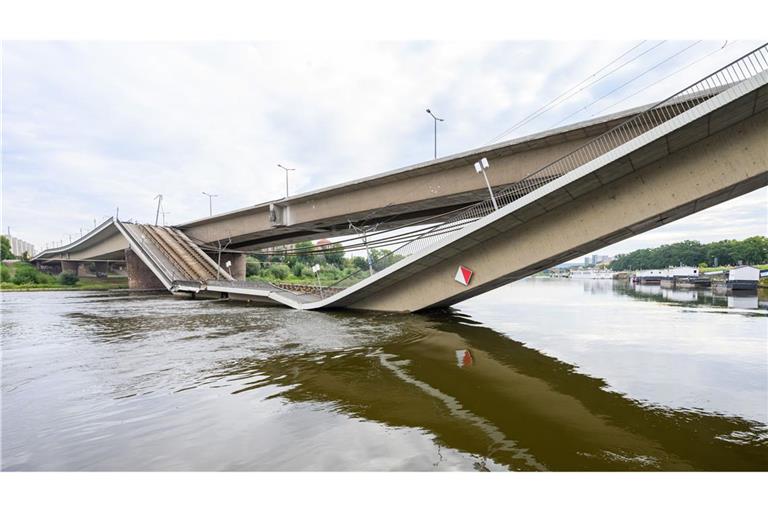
[559, 123]
[662, 79]
[562, 96]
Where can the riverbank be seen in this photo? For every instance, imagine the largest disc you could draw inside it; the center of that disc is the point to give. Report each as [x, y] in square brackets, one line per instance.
[84, 284]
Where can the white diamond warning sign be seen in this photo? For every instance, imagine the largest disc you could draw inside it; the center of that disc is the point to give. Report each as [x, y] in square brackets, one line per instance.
[463, 275]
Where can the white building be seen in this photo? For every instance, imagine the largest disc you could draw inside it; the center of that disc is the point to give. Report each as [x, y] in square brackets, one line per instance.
[592, 274]
[19, 246]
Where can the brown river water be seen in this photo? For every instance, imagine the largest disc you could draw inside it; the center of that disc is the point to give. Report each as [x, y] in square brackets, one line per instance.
[543, 374]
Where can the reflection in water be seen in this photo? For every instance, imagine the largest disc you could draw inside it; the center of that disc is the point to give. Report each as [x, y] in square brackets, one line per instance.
[464, 358]
[742, 301]
[107, 381]
[738, 300]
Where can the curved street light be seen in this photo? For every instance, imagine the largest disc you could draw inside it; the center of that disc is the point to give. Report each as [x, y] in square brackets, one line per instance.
[286, 169]
[436, 120]
[210, 202]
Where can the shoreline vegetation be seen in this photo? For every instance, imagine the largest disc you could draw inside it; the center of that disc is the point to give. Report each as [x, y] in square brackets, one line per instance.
[690, 253]
[21, 276]
[295, 266]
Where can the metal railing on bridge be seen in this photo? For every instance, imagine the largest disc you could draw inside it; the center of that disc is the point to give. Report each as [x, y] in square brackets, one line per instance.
[720, 82]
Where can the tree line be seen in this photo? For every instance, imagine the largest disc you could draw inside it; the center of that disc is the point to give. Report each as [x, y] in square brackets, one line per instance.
[750, 251]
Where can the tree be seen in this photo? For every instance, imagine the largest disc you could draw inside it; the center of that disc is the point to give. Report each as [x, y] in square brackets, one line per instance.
[5, 248]
[334, 254]
[252, 266]
[359, 262]
[382, 258]
[303, 250]
[752, 251]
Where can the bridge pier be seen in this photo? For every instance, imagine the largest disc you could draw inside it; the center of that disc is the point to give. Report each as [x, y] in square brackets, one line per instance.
[140, 277]
[237, 270]
[70, 266]
[101, 267]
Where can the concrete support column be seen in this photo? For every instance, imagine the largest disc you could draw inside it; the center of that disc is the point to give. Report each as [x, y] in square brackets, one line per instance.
[82, 269]
[102, 267]
[70, 266]
[237, 270]
[140, 277]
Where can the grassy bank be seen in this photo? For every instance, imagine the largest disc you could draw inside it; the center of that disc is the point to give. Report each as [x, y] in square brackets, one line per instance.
[84, 284]
[720, 269]
[22, 276]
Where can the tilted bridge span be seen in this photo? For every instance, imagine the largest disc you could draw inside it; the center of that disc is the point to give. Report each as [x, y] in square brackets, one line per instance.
[603, 182]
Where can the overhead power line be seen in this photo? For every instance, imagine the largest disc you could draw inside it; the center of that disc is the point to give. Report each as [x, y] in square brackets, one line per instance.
[716, 50]
[585, 107]
[565, 94]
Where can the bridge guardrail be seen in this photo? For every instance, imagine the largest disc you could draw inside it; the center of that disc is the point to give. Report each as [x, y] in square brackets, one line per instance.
[715, 84]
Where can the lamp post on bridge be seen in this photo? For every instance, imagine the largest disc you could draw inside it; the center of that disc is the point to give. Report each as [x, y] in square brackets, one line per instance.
[286, 169]
[210, 202]
[480, 168]
[436, 120]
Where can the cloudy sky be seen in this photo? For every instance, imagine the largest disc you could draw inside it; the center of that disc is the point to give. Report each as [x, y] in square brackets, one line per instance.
[89, 127]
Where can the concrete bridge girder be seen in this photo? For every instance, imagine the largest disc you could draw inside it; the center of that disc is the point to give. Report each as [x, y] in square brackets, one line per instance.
[720, 167]
[411, 193]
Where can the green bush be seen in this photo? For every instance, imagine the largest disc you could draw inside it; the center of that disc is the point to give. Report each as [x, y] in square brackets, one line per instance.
[280, 271]
[27, 274]
[252, 267]
[68, 278]
[5, 274]
[298, 269]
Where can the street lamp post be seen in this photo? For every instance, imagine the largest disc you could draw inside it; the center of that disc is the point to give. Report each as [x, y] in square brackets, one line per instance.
[316, 270]
[159, 198]
[286, 169]
[436, 120]
[480, 168]
[210, 202]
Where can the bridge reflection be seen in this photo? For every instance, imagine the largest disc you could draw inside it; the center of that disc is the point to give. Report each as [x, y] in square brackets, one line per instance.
[512, 405]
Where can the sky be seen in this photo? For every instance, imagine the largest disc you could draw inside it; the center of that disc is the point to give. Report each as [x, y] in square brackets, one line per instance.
[90, 127]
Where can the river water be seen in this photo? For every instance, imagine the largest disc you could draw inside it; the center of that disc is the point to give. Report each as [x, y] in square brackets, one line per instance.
[543, 374]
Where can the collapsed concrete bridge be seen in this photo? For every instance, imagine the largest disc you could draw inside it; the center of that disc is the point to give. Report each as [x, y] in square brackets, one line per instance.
[560, 194]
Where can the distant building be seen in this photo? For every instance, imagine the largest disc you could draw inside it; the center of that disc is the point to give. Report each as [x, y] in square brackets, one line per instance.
[595, 259]
[19, 247]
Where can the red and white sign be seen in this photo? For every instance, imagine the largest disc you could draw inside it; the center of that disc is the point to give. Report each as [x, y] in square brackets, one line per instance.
[464, 358]
[463, 275]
